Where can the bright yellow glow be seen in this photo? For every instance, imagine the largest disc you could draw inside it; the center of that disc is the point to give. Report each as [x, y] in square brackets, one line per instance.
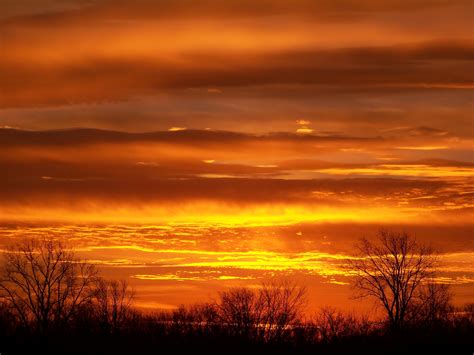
[207, 213]
[176, 129]
[426, 147]
[405, 170]
[304, 130]
[303, 122]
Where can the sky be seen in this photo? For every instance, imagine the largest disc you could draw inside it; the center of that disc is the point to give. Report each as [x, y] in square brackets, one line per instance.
[189, 146]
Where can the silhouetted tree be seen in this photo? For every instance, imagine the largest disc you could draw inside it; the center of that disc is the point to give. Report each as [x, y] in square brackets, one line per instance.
[240, 310]
[43, 283]
[112, 301]
[432, 305]
[468, 312]
[334, 325]
[264, 313]
[392, 271]
[282, 304]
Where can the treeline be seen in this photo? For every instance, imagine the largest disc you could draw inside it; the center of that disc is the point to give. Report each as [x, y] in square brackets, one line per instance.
[52, 303]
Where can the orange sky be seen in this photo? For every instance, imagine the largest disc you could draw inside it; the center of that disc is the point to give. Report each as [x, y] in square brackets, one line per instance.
[189, 146]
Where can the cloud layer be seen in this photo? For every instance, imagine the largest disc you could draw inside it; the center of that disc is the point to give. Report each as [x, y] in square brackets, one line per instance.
[150, 65]
[294, 177]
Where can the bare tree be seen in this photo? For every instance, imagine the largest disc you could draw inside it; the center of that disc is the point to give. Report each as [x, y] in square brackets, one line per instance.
[240, 310]
[334, 325]
[113, 303]
[265, 313]
[433, 304]
[44, 283]
[467, 312]
[283, 304]
[392, 271]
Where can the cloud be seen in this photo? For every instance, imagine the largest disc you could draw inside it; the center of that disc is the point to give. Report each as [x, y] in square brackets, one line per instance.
[83, 136]
[375, 65]
[416, 131]
[426, 67]
[15, 9]
[303, 122]
[94, 170]
[163, 9]
[304, 130]
[184, 152]
[424, 147]
[198, 145]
